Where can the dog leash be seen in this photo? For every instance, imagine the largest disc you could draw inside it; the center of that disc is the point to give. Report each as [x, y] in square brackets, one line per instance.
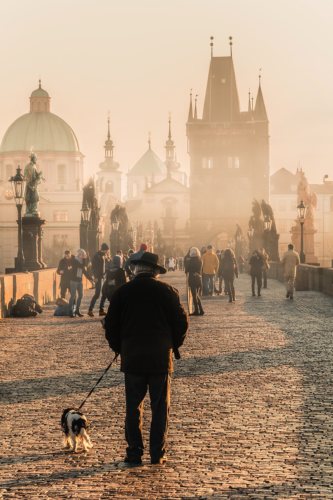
[98, 381]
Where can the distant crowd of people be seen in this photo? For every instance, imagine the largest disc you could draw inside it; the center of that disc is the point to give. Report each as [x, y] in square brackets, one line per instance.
[146, 322]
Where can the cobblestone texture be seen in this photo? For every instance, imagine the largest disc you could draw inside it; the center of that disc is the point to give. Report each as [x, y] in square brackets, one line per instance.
[252, 401]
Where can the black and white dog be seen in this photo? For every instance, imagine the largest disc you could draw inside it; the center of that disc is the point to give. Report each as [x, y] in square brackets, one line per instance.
[76, 428]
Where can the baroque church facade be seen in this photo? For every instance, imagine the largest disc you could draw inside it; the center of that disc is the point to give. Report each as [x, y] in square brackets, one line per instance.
[60, 159]
[229, 157]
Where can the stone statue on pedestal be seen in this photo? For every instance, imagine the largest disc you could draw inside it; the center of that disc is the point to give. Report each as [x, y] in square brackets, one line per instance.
[31, 194]
[309, 200]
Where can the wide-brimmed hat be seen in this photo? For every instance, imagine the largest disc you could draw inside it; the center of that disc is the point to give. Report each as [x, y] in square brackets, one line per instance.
[151, 259]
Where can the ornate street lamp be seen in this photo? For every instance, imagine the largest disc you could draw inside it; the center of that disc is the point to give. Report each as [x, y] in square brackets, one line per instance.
[301, 209]
[86, 212]
[267, 223]
[250, 232]
[19, 184]
[115, 225]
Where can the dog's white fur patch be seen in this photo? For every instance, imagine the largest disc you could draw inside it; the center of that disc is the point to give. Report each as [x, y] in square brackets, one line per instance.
[72, 440]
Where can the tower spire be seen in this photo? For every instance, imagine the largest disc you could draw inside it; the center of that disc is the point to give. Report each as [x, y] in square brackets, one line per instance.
[149, 139]
[40, 83]
[249, 105]
[260, 113]
[169, 126]
[195, 108]
[211, 46]
[190, 111]
[109, 135]
[230, 43]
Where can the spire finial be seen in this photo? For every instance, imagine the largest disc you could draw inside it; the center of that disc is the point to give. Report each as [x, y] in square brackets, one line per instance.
[169, 126]
[109, 136]
[149, 139]
[211, 46]
[230, 43]
[195, 107]
[190, 111]
[249, 106]
[260, 77]
[252, 103]
[40, 83]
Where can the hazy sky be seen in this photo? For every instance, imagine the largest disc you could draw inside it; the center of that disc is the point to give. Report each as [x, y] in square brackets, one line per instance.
[139, 59]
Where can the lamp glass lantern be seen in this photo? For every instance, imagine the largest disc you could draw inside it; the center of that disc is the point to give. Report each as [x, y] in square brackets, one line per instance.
[267, 223]
[250, 232]
[301, 209]
[86, 212]
[19, 184]
[115, 225]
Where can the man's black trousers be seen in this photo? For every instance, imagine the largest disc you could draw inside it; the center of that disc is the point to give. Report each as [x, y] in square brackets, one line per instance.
[64, 286]
[136, 386]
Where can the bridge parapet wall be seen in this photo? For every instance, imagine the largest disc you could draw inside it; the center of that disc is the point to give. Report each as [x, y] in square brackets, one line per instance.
[43, 285]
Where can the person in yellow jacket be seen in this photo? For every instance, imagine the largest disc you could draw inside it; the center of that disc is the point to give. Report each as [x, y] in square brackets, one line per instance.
[210, 267]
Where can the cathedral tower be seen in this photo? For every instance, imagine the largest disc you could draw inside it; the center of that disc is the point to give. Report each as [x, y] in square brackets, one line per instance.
[229, 156]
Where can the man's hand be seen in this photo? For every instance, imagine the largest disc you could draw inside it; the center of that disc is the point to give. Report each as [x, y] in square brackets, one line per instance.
[95, 280]
[61, 272]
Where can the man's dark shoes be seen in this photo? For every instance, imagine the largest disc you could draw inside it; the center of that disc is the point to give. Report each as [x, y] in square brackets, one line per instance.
[71, 314]
[159, 461]
[132, 460]
[291, 297]
[79, 314]
[195, 313]
[288, 295]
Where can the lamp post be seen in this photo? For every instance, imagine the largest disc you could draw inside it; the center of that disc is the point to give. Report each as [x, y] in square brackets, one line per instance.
[86, 213]
[301, 209]
[19, 183]
[267, 228]
[114, 236]
[250, 233]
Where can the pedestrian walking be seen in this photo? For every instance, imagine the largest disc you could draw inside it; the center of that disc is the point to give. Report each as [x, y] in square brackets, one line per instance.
[210, 267]
[265, 266]
[194, 271]
[145, 323]
[230, 271]
[79, 269]
[256, 264]
[171, 264]
[115, 277]
[290, 261]
[241, 263]
[65, 271]
[180, 262]
[98, 269]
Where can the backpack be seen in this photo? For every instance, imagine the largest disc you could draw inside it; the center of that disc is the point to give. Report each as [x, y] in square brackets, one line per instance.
[229, 265]
[25, 307]
[113, 281]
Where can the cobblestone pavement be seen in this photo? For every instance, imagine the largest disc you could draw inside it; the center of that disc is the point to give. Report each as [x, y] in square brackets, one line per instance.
[252, 401]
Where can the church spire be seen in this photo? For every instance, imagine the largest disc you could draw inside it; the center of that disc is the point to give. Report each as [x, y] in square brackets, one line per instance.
[260, 113]
[169, 146]
[190, 111]
[108, 143]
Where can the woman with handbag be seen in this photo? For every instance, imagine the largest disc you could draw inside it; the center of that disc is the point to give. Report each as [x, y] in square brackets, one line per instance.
[194, 270]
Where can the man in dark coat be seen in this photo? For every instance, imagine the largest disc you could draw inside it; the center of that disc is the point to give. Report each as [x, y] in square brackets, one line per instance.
[65, 271]
[145, 323]
[98, 269]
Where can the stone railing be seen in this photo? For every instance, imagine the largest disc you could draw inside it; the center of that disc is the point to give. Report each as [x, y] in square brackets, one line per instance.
[308, 277]
[43, 285]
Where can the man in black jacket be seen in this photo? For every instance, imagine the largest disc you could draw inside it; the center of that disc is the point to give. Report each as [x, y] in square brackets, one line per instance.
[79, 269]
[98, 269]
[145, 323]
[65, 271]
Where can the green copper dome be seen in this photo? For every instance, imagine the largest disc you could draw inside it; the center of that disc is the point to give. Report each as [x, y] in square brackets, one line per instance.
[44, 131]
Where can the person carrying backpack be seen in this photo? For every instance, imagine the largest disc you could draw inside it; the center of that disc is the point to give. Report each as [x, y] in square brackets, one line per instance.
[115, 277]
[229, 271]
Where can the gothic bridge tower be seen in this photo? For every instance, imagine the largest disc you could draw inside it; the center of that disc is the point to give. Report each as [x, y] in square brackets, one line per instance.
[229, 156]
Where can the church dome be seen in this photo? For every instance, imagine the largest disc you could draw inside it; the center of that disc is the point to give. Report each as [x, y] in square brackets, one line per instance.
[40, 129]
[39, 93]
[44, 131]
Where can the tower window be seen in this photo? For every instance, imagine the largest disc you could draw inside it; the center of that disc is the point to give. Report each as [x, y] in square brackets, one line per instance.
[45, 106]
[61, 174]
[38, 106]
[64, 215]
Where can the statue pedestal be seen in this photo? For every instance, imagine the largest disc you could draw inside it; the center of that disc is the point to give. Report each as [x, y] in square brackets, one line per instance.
[32, 242]
[308, 242]
[274, 247]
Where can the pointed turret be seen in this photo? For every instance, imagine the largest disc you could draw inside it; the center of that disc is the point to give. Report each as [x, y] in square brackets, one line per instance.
[260, 114]
[190, 111]
[109, 163]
